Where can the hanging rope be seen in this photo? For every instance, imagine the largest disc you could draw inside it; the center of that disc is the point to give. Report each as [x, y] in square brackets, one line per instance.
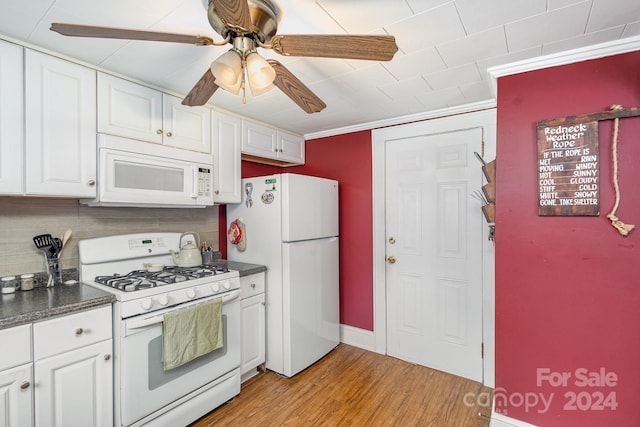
[623, 228]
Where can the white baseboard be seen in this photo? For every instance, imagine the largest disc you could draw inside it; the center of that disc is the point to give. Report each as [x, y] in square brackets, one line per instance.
[357, 337]
[499, 420]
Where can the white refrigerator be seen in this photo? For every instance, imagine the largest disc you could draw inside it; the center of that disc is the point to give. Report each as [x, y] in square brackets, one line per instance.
[291, 226]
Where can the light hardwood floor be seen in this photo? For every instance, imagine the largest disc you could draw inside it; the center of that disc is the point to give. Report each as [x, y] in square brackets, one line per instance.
[355, 387]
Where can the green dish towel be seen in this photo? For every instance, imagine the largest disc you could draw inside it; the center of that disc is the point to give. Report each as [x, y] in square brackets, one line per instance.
[191, 332]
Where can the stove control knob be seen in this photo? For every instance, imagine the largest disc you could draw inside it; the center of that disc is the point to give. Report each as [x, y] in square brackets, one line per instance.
[226, 285]
[163, 300]
[215, 287]
[146, 304]
[191, 294]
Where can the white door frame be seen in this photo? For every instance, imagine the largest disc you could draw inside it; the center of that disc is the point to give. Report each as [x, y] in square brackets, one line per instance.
[486, 119]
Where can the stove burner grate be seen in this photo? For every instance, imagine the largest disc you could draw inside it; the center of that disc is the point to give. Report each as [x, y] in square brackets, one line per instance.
[143, 279]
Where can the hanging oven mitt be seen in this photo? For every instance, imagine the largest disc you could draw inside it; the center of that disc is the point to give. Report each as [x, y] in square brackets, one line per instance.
[236, 234]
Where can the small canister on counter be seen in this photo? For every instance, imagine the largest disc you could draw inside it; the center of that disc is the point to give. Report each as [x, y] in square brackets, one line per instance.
[26, 282]
[9, 284]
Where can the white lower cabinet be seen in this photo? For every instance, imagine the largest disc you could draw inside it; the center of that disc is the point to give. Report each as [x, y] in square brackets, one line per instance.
[16, 381]
[253, 324]
[75, 388]
[73, 370]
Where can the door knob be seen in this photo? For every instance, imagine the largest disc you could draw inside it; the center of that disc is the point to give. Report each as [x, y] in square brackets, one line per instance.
[391, 259]
[392, 240]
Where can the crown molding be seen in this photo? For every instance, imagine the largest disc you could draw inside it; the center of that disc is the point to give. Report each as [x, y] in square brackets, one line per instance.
[449, 111]
[616, 47]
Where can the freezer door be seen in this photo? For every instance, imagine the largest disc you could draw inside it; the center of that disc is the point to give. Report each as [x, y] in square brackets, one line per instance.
[309, 207]
[311, 302]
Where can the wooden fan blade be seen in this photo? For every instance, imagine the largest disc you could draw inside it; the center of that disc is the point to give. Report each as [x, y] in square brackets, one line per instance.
[295, 89]
[233, 12]
[75, 30]
[376, 48]
[202, 91]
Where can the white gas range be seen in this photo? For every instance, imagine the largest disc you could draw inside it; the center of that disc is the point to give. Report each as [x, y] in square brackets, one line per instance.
[146, 394]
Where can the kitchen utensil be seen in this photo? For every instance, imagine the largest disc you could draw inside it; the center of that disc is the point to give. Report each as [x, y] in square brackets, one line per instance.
[189, 255]
[57, 245]
[65, 239]
[45, 243]
[153, 267]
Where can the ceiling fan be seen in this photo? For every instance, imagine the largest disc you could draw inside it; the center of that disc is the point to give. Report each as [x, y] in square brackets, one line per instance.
[246, 25]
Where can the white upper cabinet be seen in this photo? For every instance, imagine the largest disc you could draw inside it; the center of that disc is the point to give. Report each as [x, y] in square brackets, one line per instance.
[290, 147]
[11, 137]
[60, 127]
[134, 111]
[259, 140]
[265, 144]
[227, 141]
[186, 127]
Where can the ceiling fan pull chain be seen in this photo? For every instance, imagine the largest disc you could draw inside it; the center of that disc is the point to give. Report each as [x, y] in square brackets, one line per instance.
[242, 85]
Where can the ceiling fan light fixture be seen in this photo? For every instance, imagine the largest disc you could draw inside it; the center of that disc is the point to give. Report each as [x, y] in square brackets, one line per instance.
[227, 70]
[259, 73]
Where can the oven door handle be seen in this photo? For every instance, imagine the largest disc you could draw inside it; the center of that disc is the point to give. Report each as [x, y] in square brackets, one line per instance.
[154, 320]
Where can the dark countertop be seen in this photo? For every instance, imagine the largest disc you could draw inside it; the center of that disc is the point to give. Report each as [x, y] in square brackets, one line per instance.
[42, 303]
[243, 268]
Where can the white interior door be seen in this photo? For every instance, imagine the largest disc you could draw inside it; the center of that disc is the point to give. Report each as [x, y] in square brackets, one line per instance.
[434, 251]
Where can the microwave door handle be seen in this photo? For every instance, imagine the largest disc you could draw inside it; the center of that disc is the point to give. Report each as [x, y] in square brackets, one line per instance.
[194, 182]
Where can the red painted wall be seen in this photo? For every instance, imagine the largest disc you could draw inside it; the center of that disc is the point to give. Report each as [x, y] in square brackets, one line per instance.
[347, 159]
[567, 288]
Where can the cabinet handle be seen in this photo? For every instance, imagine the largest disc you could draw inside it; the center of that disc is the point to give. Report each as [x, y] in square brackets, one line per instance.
[169, 134]
[25, 385]
[275, 150]
[159, 131]
[107, 357]
[280, 150]
[253, 285]
[92, 183]
[217, 192]
[79, 331]
[263, 303]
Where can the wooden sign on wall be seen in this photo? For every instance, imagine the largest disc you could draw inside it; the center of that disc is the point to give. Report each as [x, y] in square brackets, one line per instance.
[568, 167]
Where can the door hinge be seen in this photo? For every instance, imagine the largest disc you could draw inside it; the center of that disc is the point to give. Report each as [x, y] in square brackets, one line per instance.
[482, 350]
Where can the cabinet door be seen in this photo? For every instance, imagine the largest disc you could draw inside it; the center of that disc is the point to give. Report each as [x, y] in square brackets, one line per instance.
[259, 140]
[227, 141]
[129, 110]
[75, 388]
[186, 127]
[253, 332]
[60, 131]
[11, 137]
[16, 397]
[290, 147]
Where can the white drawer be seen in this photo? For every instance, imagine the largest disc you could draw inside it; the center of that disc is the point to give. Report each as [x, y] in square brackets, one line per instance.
[70, 332]
[251, 285]
[16, 346]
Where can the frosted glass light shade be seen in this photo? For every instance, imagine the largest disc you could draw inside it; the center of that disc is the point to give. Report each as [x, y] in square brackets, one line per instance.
[259, 73]
[227, 70]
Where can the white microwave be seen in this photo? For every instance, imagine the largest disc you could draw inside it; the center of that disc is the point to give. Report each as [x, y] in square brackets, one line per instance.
[142, 174]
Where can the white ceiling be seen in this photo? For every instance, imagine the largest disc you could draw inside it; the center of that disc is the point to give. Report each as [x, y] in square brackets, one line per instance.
[445, 48]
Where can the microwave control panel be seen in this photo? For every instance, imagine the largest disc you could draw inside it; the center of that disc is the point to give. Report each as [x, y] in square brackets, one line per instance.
[204, 181]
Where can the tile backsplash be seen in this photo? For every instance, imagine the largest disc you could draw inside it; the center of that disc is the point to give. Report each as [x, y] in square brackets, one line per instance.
[21, 218]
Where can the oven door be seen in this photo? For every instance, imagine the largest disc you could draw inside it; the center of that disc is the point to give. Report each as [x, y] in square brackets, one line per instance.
[145, 386]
